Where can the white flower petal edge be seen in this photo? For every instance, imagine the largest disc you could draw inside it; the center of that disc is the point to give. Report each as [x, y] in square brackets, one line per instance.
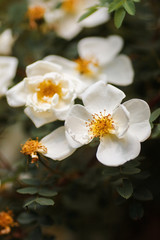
[8, 68]
[97, 18]
[100, 97]
[64, 62]
[40, 118]
[120, 71]
[57, 145]
[76, 124]
[139, 118]
[113, 151]
[41, 67]
[101, 49]
[6, 42]
[16, 96]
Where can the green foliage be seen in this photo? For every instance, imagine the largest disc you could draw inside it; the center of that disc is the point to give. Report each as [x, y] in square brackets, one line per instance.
[126, 189]
[119, 16]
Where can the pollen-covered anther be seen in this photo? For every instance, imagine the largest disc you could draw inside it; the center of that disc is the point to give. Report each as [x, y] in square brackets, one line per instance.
[47, 89]
[32, 147]
[6, 222]
[86, 66]
[70, 6]
[100, 125]
[35, 13]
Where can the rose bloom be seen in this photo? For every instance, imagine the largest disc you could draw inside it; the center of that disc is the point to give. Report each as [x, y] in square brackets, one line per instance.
[119, 127]
[8, 68]
[64, 18]
[6, 42]
[47, 93]
[99, 60]
[54, 146]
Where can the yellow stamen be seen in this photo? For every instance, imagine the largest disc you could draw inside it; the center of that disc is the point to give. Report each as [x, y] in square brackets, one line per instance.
[70, 6]
[85, 66]
[47, 89]
[6, 222]
[35, 13]
[32, 147]
[100, 125]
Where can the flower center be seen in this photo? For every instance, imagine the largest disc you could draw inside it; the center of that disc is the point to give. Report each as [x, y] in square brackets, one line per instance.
[70, 6]
[47, 89]
[35, 13]
[86, 67]
[100, 125]
[6, 221]
[32, 147]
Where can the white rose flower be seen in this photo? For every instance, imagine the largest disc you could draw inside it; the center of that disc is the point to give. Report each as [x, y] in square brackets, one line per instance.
[8, 68]
[65, 18]
[6, 42]
[54, 146]
[47, 93]
[120, 127]
[99, 60]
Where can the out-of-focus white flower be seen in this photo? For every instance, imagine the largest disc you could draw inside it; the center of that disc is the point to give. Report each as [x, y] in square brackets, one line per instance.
[47, 93]
[64, 19]
[8, 68]
[120, 127]
[99, 60]
[6, 42]
[54, 146]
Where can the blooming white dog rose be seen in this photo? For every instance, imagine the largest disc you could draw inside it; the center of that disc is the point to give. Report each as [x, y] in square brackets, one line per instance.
[8, 68]
[46, 92]
[64, 19]
[120, 127]
[54, 146]
[99, 60]
[6, 42]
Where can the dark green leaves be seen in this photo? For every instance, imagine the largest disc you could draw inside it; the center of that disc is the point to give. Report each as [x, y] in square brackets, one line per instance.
[44, 201]
[129, 7]
[118, 17]
[126, 189]
[28, 190]
[90, 11]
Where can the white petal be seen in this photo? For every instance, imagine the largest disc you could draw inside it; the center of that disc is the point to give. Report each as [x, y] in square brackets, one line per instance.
[113, 151]
[76, 124]
[8, 68]
[64, 62]
[57, 145]
[62, 113]
[41, 68]
[72, 142]
[40, 118]
[139, 118]
[100, 97]
[6, 42]
[97, 18]
[68, 27]
[120, 71]
[16, 96]
[121, 120]
[101, 49]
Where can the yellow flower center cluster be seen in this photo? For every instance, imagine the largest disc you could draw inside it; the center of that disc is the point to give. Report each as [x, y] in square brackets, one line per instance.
[100, 125]
[70, 6]
[6, 222]
[84, 66]
[35, 13]
[32, 147]
[47, 89]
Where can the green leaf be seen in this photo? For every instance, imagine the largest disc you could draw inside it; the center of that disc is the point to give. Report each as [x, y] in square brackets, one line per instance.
[44, 201]
[115, 5]
[130, 171]
[136, 0]
[118, 17]
[30, 181]
[29, 202]
[132, 163]
[126, 189]
[28, 190]
[111, 171]
[143, 194]
[26, 218]
[47, 193]
[129, 7]
[155, 115]
[136, 210]
[88, 13]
